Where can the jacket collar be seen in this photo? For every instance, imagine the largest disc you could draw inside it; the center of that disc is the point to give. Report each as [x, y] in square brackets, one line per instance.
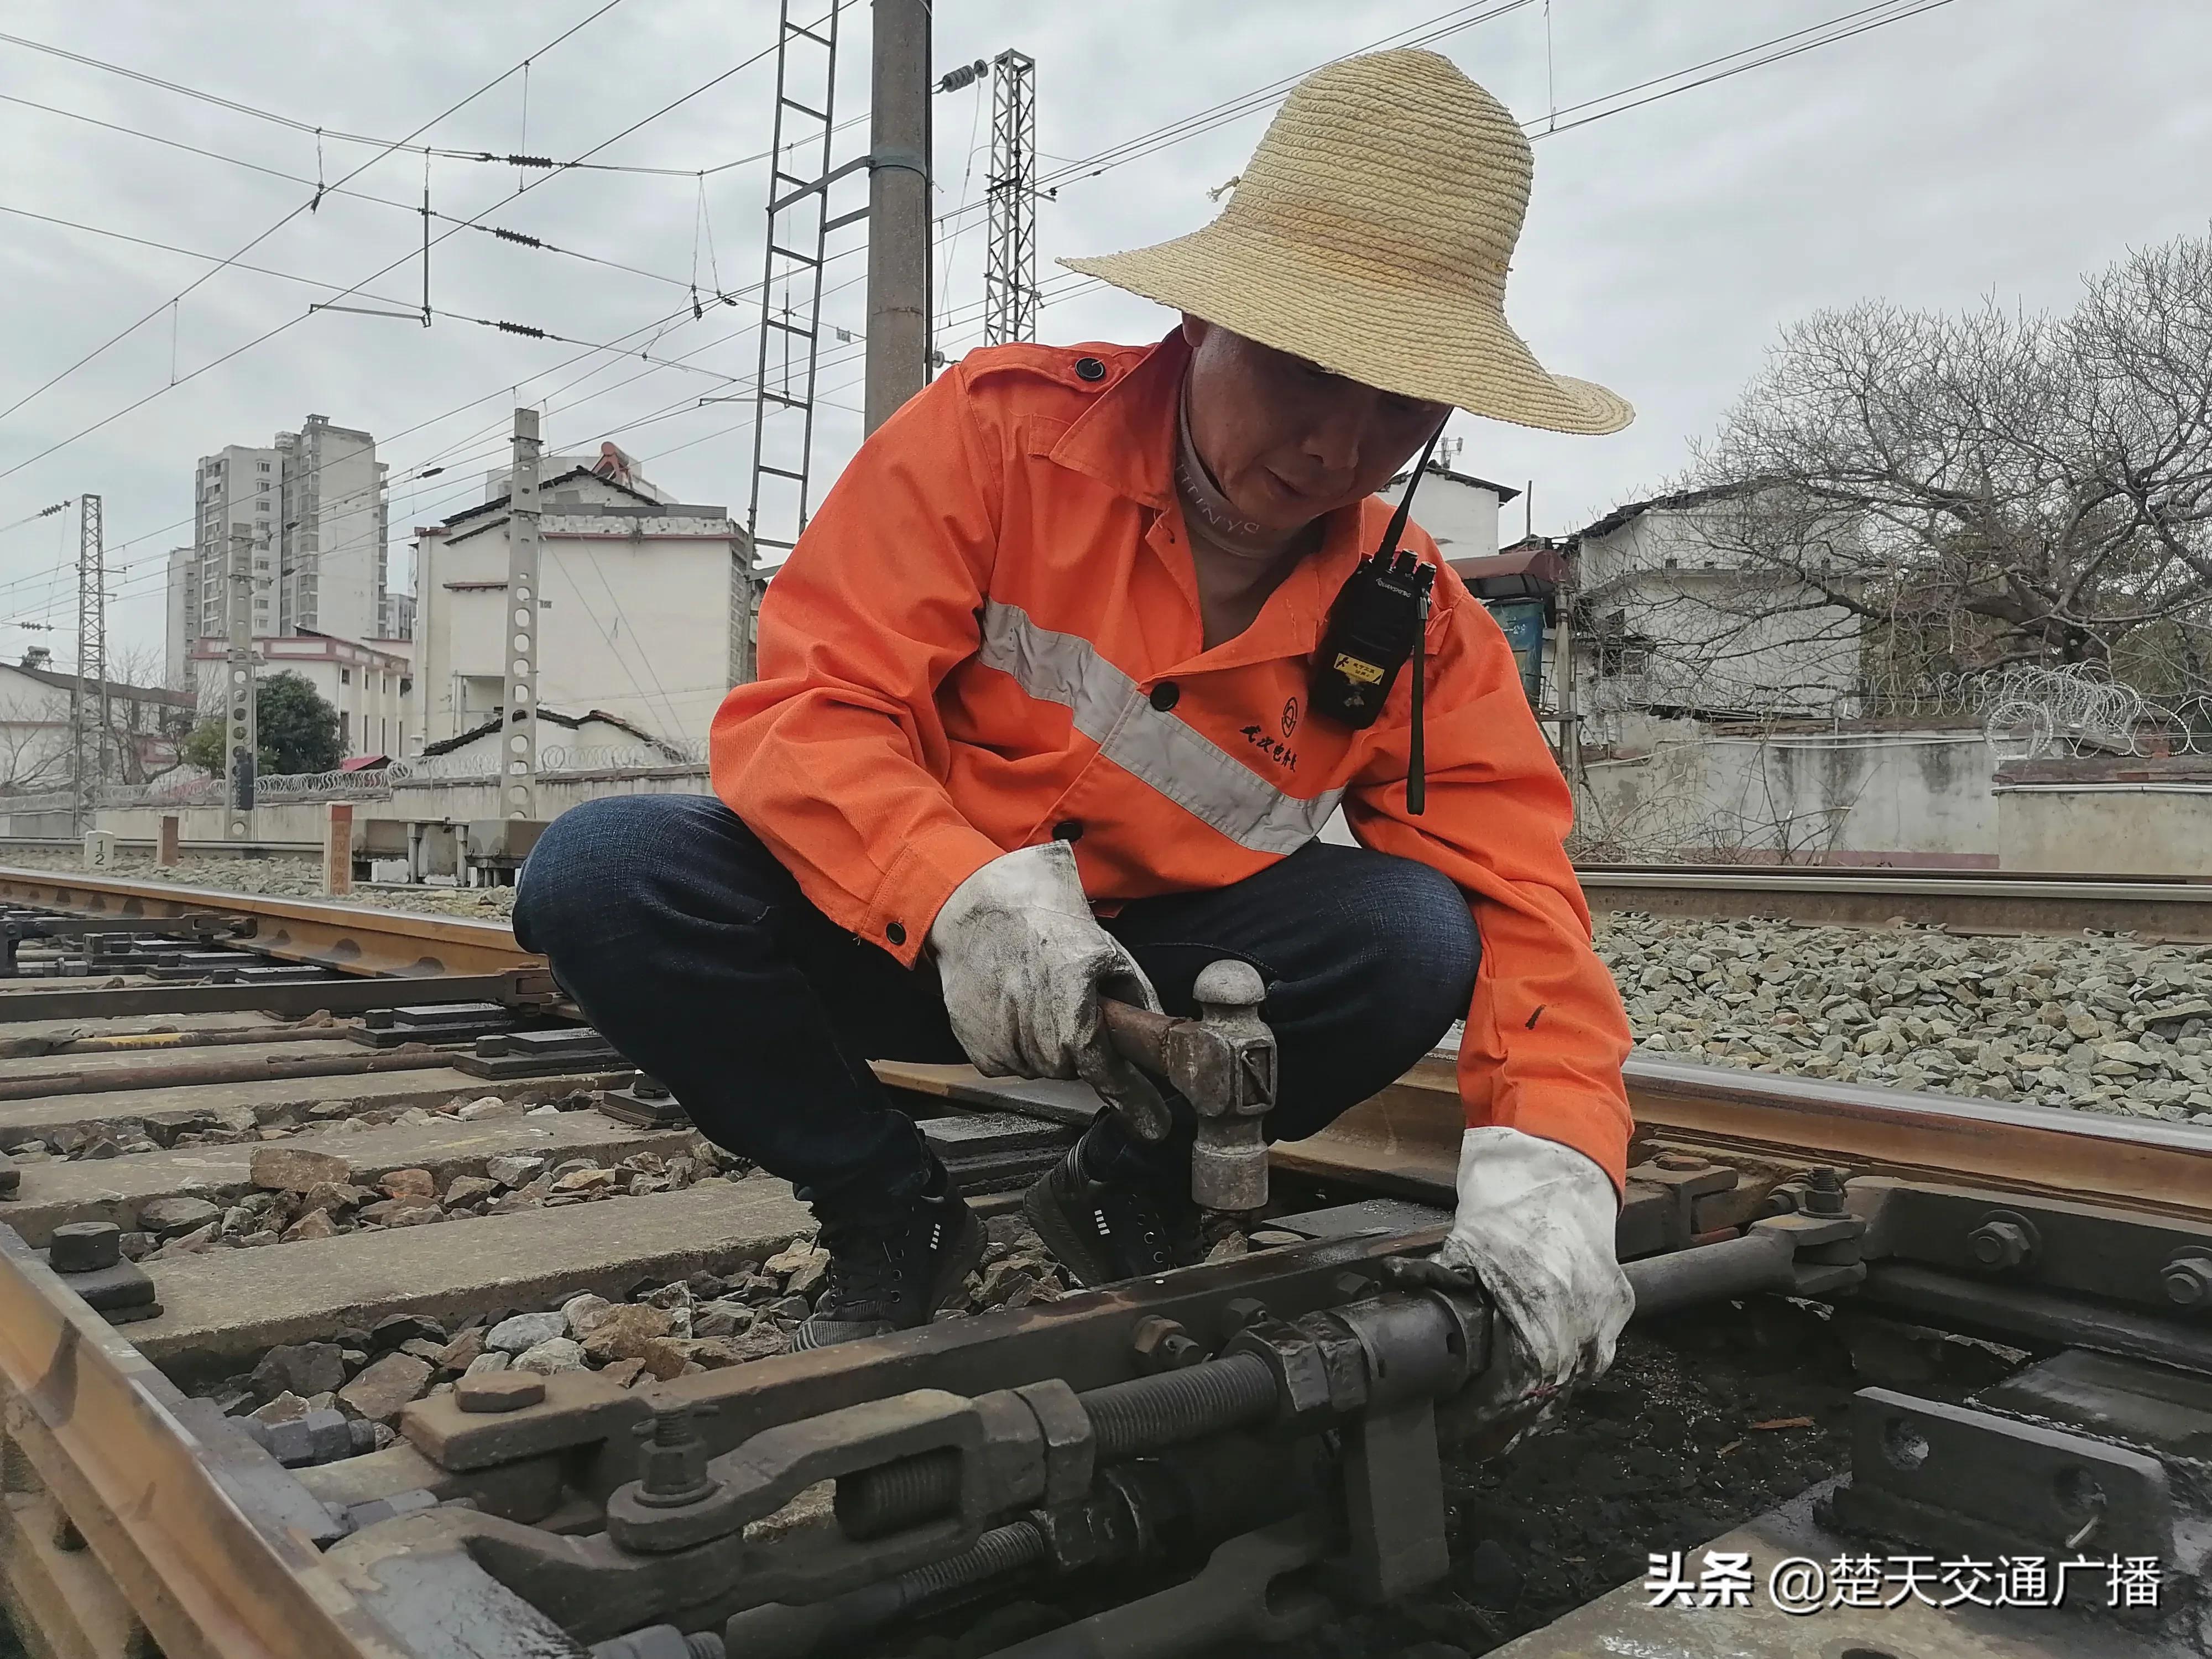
[1126, 438]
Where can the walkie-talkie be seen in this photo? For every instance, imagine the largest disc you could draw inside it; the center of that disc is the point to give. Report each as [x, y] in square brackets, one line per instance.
[1380, 618]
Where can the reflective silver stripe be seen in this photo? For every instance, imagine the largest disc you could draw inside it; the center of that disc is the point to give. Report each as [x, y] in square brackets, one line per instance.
[1150, 743]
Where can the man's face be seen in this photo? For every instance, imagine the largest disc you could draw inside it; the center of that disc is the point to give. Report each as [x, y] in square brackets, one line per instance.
[1288, 441]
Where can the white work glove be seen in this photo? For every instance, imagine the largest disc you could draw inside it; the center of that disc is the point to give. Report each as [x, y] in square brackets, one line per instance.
[1023, 963]
[1535, 1227]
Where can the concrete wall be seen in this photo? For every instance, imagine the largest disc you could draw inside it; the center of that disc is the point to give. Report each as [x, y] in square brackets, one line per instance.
[1856, 797]
[457, 801]
[2120, 829]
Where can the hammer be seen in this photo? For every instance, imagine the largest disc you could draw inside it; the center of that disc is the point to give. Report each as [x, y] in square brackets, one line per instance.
[1224, 1064]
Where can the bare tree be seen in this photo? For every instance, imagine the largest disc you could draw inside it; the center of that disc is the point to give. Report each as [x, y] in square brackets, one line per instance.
[144, 733]
[1942, 496]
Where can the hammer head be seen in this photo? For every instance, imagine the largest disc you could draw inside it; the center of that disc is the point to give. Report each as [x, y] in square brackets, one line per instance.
[1224, 1064]
[1228, 1159]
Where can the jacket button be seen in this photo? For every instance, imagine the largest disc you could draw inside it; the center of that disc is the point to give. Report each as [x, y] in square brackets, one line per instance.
[1164, 695]
[1090, 369]
[1068, 830]
[896, 933]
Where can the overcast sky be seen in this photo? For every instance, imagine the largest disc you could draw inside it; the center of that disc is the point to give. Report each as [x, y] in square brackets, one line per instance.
[1988, 147]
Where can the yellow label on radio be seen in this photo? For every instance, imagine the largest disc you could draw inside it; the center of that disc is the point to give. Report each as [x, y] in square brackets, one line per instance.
[1352, 669]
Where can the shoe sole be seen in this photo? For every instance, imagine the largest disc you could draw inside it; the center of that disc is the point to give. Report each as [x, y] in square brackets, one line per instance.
[1069, 1248]
[962, 1256]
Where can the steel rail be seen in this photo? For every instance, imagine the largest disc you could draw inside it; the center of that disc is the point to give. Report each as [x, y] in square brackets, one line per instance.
[1982, 902]
[90, 1424]
[354, 938]
[1405, 1140]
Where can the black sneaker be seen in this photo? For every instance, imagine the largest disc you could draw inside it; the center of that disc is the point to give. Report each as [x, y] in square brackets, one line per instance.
[1105, 1231]
[884, 1279]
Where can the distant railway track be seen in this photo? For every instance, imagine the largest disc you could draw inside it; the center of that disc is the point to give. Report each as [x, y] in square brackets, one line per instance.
[1964, 901]
[133, 1508]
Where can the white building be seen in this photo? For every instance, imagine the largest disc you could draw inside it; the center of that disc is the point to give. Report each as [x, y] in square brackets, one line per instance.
[314, 505]
[181, 618]
[1458, 510]
[236, 488]
[1679, 621]
[336, 531]
[369, 683]
[145, 725]
[645, 606]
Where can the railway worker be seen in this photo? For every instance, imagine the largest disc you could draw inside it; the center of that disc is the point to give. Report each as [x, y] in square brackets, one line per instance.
[1041, 713]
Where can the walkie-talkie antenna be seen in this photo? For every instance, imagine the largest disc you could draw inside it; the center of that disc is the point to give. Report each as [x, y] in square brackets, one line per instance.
[1416, 758]
[1390, 548]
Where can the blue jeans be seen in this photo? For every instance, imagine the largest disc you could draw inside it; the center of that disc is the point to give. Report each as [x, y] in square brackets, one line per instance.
[693, 950]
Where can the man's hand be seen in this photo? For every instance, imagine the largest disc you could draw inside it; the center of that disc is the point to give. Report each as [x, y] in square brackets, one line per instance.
[1023, 963]
[1534, 1230]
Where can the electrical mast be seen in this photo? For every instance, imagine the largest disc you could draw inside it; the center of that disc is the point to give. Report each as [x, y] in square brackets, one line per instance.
[1010, 284]
[88, 722]
[899, 229]
[519, 751]
[241, 697]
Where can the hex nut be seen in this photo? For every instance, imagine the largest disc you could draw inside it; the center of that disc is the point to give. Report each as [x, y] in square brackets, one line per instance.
[2188, 1281]
[1070, 1445]
[1240, 1311]
[499, 1391]
[2000, 1245]
[1163, 1345]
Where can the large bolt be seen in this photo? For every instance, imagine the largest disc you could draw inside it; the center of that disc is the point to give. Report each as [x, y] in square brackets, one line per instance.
[671, 1464]
[2188, 1281]
[2000, 1245]
[1824, 1194]
[85, 1247]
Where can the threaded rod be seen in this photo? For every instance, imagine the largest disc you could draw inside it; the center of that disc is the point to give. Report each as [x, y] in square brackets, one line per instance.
[1151, 1413]
[1127, 1419]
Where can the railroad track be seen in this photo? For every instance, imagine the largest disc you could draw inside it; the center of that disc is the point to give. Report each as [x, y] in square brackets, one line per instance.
[1965, 901]
[190, 1069]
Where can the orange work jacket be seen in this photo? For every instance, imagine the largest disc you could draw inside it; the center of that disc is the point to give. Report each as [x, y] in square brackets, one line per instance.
[991, 627]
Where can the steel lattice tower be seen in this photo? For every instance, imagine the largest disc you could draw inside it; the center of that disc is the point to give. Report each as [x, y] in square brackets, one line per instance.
[1010, 283]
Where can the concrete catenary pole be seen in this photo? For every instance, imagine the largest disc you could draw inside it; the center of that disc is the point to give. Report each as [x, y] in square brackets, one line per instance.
[89, 701]
[898, 209]
[241, 726]
[518, 739]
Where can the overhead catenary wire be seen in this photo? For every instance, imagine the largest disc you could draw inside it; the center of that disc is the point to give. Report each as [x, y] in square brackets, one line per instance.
[1858, 21]
[1455, 13]
[270, 334]
[498, 232]
[608, 6]
[443, 153]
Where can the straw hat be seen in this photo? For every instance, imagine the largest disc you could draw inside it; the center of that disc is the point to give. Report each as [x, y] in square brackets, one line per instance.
[1371, 233]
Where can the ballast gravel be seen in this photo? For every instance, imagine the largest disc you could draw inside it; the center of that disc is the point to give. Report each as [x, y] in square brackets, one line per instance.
[2097, 1024]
